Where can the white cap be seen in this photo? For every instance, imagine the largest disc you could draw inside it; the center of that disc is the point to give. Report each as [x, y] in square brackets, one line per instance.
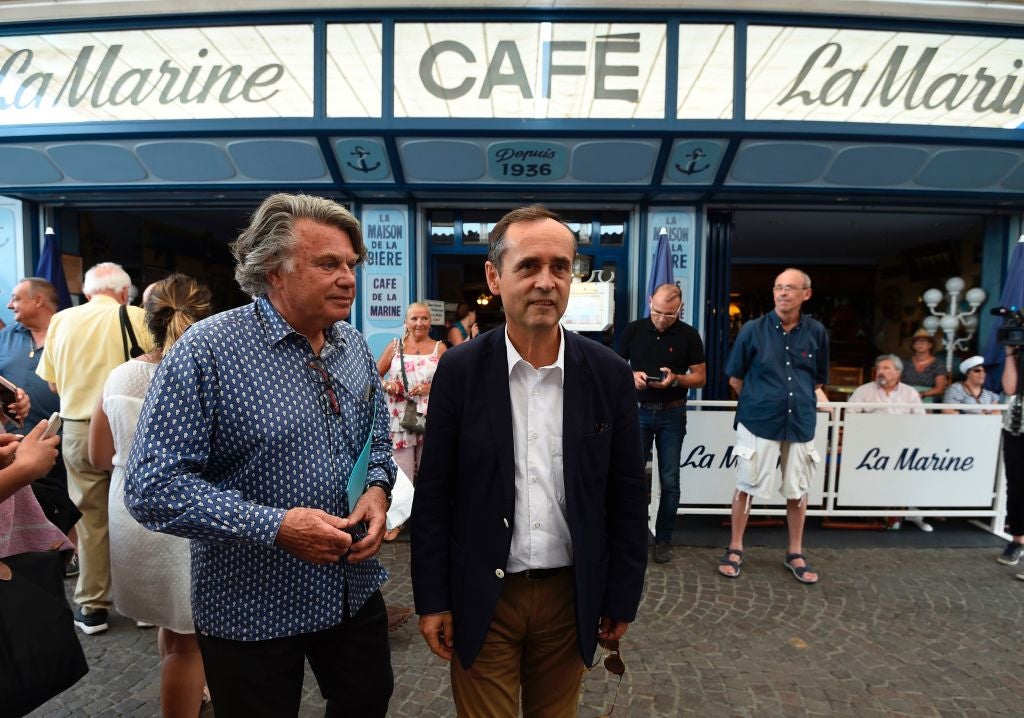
[970, 362]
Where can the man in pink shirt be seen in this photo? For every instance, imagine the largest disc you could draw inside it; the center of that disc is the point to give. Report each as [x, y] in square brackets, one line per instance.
[887, 389]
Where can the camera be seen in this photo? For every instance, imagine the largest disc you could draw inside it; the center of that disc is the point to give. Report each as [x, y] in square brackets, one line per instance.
[1011, 333]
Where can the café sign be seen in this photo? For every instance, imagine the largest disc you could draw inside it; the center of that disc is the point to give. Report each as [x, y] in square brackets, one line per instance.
[160, 74]
[826, 74]
[530, 70]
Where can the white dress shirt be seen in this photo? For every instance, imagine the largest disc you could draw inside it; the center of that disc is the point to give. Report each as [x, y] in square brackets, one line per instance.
[540, 535]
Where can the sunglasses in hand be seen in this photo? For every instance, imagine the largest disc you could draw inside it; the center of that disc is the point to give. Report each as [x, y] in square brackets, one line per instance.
[614, 664]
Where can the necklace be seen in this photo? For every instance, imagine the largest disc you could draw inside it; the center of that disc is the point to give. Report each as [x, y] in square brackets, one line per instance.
[32, 351]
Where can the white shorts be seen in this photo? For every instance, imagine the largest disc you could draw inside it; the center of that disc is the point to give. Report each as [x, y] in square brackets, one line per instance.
[758, 461]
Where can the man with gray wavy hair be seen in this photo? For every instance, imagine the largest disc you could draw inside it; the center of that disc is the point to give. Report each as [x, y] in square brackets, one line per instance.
[265, 439]
[886, 389]
[83, 344]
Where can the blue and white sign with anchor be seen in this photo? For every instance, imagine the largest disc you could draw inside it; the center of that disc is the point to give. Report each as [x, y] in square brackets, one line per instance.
[362, 160]
[694, 161]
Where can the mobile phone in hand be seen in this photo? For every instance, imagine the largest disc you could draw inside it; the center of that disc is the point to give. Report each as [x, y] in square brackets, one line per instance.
[53, 425]
[8, 397]
[655, 379]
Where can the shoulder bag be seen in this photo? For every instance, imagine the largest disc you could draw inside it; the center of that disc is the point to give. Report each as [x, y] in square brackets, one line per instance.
[126, 329]
[40, 655]
[412, 420]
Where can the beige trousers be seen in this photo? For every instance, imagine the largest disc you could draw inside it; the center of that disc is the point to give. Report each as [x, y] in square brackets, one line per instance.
[88, 488]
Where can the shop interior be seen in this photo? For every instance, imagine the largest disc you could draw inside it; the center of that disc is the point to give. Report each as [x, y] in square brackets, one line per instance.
[869, 269]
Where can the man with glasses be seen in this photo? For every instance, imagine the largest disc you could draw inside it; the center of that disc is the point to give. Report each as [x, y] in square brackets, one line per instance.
[260, 431]
[667, 357]
[530, 536]
[777, 363]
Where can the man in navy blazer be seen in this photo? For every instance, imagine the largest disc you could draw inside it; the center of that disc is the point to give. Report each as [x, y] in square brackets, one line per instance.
[530, 533]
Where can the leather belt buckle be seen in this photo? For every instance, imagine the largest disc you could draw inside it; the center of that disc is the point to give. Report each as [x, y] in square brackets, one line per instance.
[651, 405]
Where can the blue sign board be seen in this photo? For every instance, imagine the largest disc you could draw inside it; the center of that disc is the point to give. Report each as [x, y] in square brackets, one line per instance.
[694, 162]
[679, 224]
[362, 160]
[527, 161]
[385, 276]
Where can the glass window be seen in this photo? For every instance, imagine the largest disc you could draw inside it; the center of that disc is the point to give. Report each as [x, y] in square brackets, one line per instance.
[471, 232]
[476, 226]
[580, 224]
[442, 227]
[613, 228]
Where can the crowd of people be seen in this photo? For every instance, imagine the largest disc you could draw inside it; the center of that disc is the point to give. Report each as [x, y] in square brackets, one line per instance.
[229, 478]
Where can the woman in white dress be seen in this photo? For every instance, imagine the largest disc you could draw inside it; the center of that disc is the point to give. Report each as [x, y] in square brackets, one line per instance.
[150, 573]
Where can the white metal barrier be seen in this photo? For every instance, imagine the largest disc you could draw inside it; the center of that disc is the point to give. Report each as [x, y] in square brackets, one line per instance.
[872, 464]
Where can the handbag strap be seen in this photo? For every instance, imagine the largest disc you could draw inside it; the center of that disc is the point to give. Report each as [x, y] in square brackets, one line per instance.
[126, 327]
[401, 363]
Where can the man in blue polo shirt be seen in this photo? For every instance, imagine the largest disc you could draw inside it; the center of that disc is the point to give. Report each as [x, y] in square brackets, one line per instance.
[33, 302]
[776, 364]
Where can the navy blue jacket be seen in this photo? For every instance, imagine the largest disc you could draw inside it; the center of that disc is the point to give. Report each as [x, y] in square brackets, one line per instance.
[464, 505]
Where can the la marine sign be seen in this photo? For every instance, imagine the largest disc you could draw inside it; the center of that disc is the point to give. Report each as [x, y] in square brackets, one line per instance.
[519, 70]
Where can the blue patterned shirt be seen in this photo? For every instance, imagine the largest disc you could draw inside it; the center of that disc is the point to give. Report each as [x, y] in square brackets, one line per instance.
[235, 430]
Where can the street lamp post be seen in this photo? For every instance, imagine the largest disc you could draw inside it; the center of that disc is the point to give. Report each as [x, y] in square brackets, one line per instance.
[950, 321]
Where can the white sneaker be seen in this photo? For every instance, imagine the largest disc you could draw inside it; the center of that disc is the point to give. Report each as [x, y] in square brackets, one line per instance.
[921, 523]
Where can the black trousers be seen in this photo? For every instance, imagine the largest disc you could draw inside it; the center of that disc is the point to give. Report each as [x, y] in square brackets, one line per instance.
[351, 662]
[1013, 462]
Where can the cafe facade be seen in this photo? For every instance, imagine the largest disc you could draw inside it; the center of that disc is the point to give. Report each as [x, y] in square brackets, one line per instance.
[881, 151]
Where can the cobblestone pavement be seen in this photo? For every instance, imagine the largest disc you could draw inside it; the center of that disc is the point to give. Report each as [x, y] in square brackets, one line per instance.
[887, 632]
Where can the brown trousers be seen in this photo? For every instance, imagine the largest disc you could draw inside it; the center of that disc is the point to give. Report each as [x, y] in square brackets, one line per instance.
[530, 645]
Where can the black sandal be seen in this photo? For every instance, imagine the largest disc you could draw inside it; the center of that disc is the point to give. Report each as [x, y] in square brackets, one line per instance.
[800, 571]
[726, 561]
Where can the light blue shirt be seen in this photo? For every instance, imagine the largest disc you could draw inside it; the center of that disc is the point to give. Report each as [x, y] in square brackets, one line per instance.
[235, 431]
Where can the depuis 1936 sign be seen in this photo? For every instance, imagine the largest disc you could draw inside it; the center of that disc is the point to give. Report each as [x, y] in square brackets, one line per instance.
[528, 161]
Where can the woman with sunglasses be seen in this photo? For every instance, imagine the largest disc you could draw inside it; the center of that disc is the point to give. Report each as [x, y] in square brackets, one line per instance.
[971, 389]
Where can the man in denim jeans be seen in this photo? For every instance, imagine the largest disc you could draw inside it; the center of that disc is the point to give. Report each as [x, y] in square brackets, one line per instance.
[667, 356]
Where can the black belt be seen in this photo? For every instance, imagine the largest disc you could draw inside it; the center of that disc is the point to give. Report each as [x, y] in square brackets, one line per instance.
[661, 405]
[64, 418]
[539, 574]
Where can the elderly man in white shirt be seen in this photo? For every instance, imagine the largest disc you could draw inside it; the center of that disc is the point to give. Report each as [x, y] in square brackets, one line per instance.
[887, 389]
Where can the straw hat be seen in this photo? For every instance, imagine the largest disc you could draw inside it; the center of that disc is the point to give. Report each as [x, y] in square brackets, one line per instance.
[922, 334]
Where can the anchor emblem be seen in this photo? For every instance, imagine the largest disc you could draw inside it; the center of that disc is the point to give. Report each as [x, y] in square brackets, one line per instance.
[362, 166]
[691, 166]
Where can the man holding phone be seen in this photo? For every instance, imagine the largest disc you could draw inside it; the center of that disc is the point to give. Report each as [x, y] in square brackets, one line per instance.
[667, 356]
[264, 439]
